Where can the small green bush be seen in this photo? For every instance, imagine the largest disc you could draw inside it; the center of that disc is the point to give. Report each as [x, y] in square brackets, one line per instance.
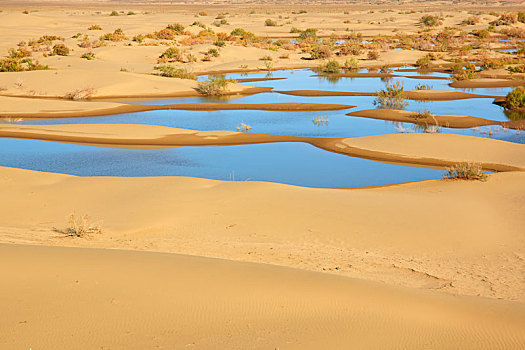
[515, 99]
[117, 35]
[310, 33]
[173, 72]
[114, 13]
[351, 64]
[330, 67]
[88, 56]
[393, 96]
[216, 86]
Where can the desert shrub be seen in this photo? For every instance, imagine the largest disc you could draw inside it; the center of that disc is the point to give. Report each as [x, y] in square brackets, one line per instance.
[491, 63]
[482, 34]
[350, 49]
[351, 64]
[203, 13]
[295, 30]
[165, 34]
[505, 19]
[270, 23]
[320, 52]
[517, 69]
[238, 32]
[514, 32]
[60, 50]
[95, 27]
[171, 54]
[114, 13]
[420, 86]
[309, 33]
[466, 171]
[88, 56]
[176, 27]
[470, 21]
[515, 99]
[173, 72]
[79, 226]
[422, 114]
[216, 86]
[430, 21]
[213, 52]
[220, 43]
[80, 94]
[521, 17]
[11, 65]
[330, 67]
[138, 38]
[117, 35]
[20, 52]
[423, 62]
[465, 74]
[373, 55]
[393, 96]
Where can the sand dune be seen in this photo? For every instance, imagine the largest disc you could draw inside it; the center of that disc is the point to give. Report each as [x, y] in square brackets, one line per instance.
[130, 300]
[454, 236]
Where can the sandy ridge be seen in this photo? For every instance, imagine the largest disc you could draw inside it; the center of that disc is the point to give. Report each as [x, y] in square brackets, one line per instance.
[424, 149]
[449, 121]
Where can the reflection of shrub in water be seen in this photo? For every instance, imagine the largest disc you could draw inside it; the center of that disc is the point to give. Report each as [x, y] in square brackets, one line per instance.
[514, 115]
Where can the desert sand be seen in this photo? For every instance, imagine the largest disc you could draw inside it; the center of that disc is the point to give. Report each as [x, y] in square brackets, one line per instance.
[181, 262]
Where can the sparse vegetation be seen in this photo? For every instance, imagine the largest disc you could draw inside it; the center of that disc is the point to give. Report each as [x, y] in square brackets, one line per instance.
[95, 27]
[393, 96]
[430, 21]
[88, 56]
[117, 35]
[79, 226]
[420, 86]
[351, 64]
[114, 13]
[330, 67]
[270, 23]
[466, 171]
[244, 127]
[60, 50]
[80, 94]
[515, 99]
[215, 86]
[173, 72]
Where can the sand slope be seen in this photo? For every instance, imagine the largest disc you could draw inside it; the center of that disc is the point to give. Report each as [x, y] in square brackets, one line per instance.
[455, 236]
[130, 300]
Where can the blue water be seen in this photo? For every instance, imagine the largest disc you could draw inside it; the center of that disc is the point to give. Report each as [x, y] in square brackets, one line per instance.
[289, 163]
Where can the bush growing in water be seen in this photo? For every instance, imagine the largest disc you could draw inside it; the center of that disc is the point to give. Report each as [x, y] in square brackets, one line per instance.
[331, 67]
[424, 62]
[515, 99]
[393, 96]
[466, 171]
[216, 86]
[351, 64]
